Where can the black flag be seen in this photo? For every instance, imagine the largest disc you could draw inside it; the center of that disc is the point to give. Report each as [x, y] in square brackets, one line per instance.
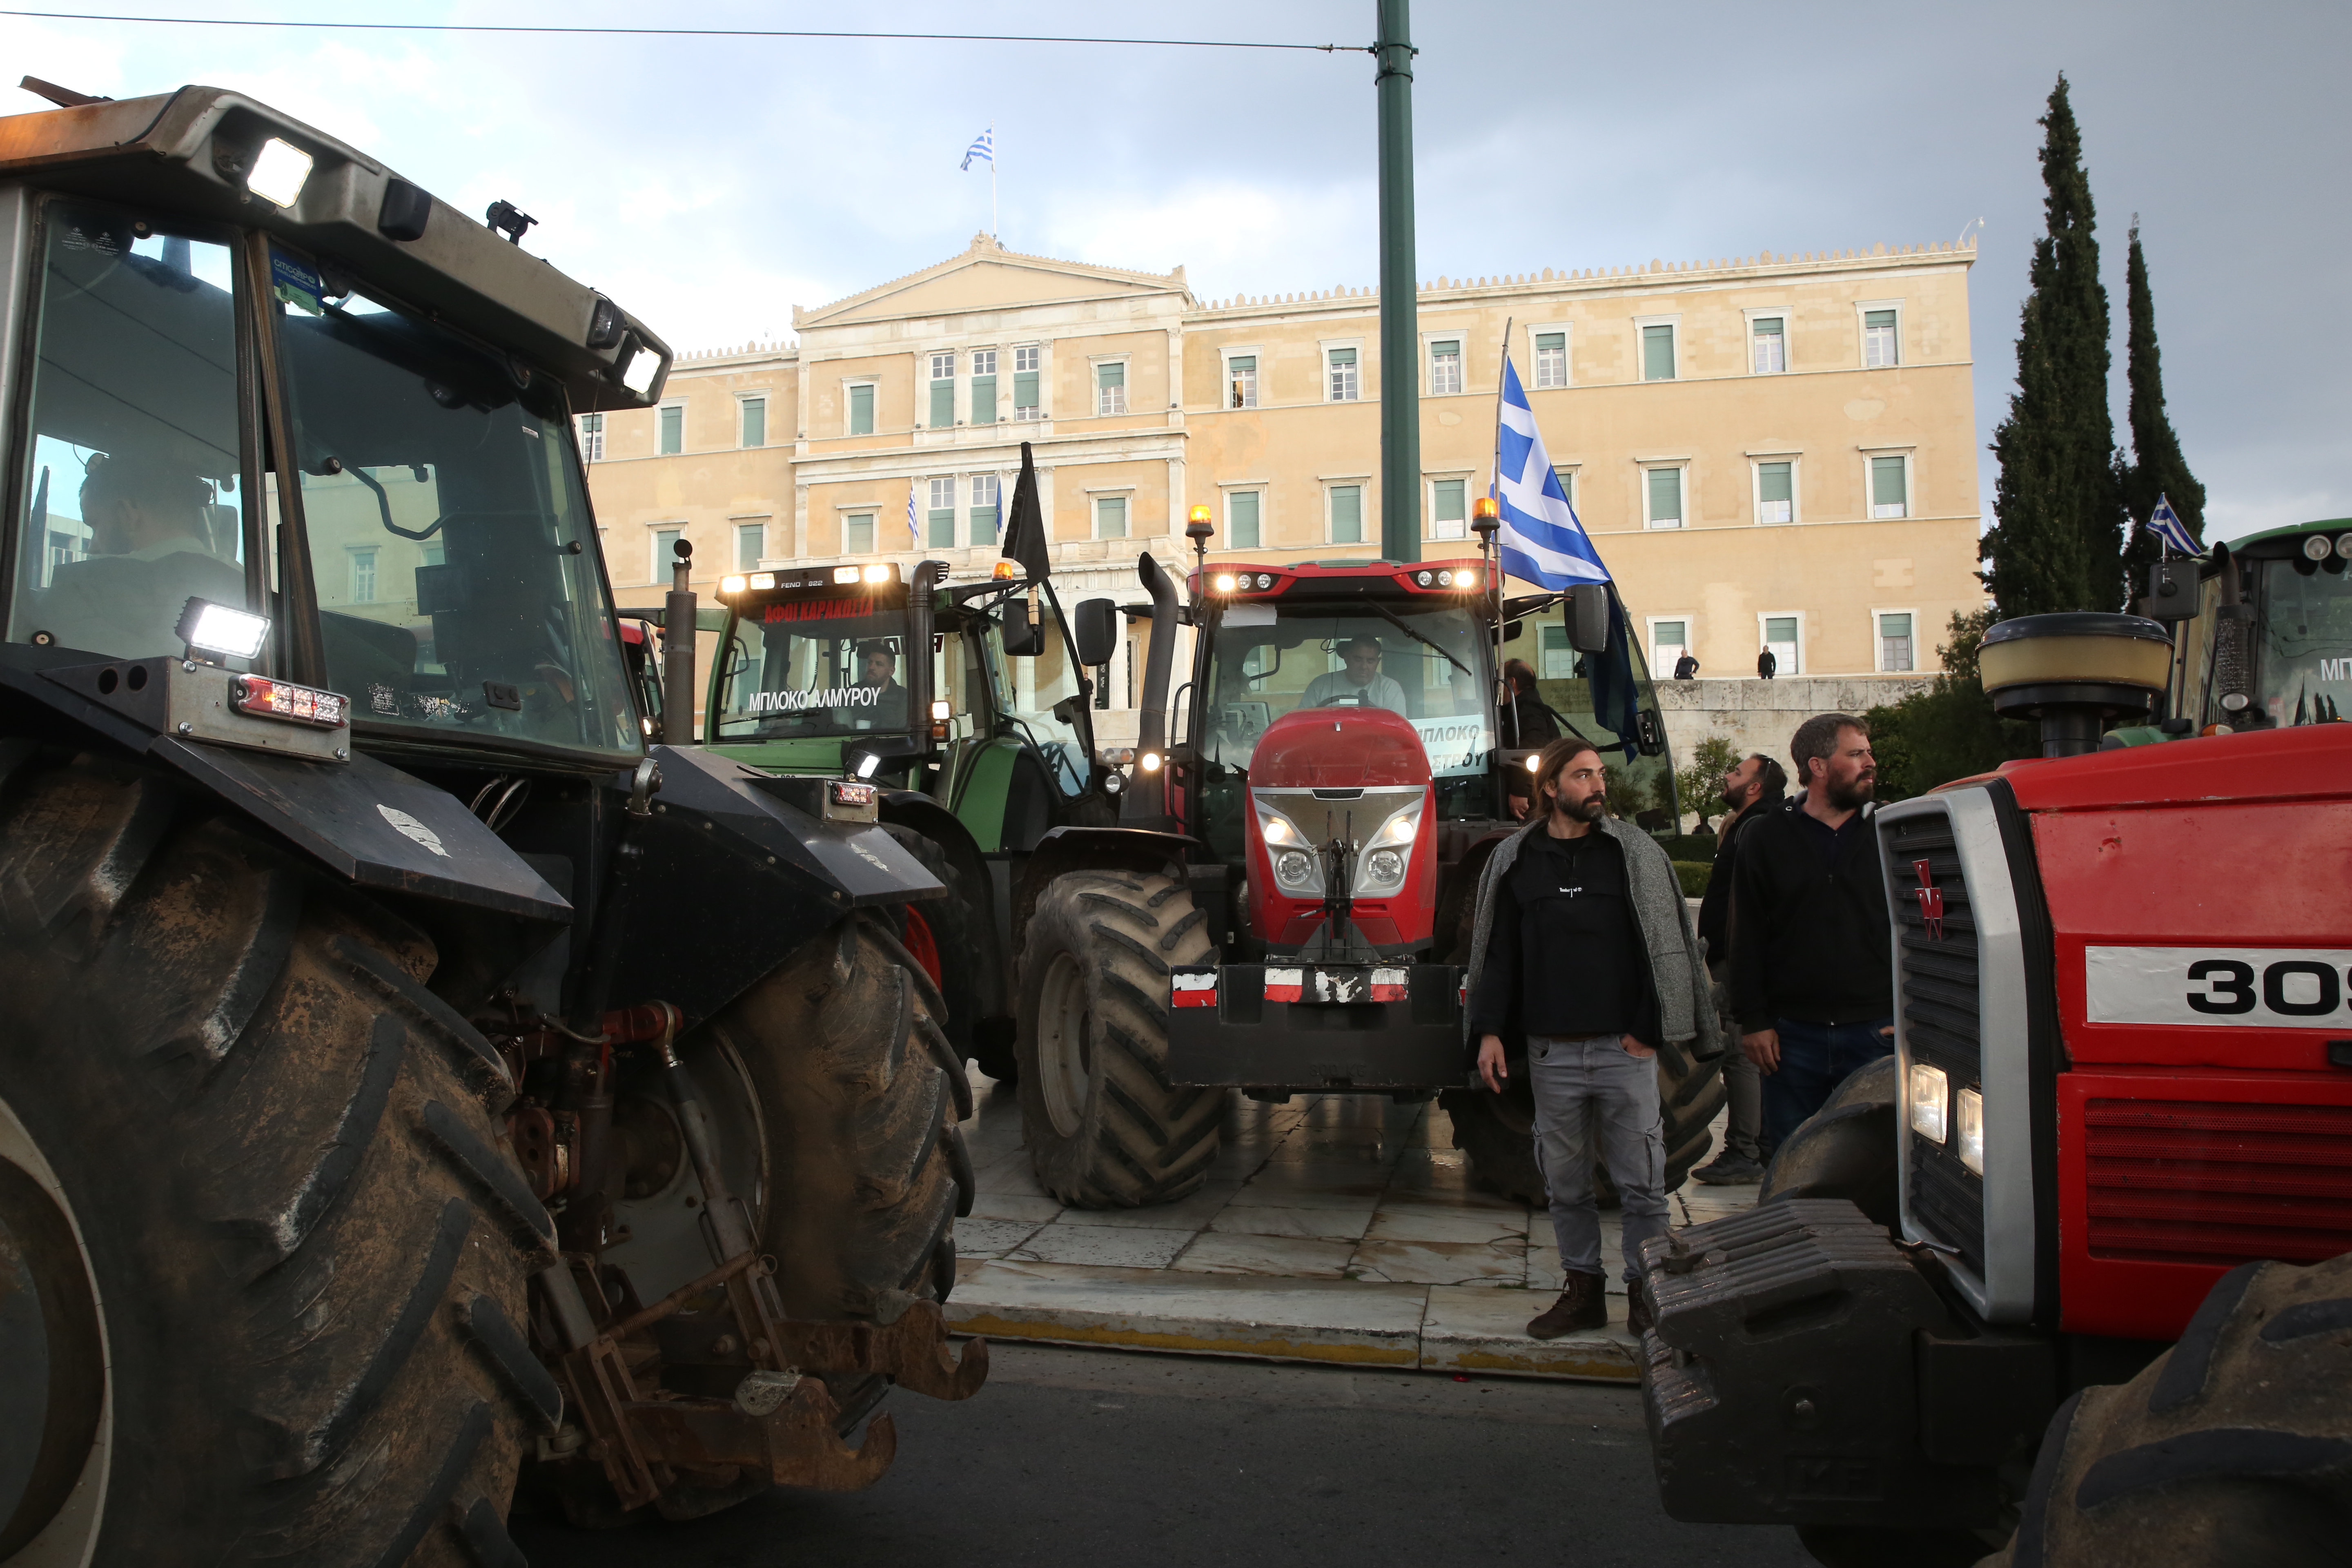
[1025, 533]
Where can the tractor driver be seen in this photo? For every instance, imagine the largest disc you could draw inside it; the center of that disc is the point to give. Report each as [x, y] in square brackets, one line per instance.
[148, 555]
[1361, 681]
[878, 665]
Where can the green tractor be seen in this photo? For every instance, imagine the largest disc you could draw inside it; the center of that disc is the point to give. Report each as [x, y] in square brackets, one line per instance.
[384, 1117]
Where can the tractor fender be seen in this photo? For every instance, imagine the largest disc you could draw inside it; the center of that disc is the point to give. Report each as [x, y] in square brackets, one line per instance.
[1065, 849]
[362, 819]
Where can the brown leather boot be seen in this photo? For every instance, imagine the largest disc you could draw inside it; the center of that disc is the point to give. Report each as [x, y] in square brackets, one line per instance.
[1583, 1305]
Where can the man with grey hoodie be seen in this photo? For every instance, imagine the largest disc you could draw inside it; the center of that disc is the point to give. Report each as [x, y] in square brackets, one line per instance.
[1582, 946]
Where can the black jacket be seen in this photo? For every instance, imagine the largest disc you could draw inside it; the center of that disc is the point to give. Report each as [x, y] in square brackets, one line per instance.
[1809, 933]
[1567, 965]
[1714, 908]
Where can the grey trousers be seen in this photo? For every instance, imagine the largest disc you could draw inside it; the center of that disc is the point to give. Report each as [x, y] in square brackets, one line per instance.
[1742, 1082]
[1585, 1089]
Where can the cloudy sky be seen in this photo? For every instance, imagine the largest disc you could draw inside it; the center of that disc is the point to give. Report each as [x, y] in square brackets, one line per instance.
[711, 185]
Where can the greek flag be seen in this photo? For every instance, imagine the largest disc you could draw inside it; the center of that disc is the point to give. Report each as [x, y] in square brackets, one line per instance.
[1542, 541]
[984, 147]
[914, 534]
[2166, 524]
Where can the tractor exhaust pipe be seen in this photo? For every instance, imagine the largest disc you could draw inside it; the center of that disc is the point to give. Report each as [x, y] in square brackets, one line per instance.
[678, 652]
[1146, 805]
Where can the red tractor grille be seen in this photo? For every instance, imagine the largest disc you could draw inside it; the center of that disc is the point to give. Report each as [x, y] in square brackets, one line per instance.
[2208, 1183]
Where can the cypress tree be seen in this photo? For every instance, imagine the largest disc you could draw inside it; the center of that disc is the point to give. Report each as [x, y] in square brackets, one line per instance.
[2057, 543]
[2156, 468]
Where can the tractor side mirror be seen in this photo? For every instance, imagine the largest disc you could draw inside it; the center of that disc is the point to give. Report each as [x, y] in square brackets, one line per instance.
[1588, 617]
[1093, 625]
[1024, 639]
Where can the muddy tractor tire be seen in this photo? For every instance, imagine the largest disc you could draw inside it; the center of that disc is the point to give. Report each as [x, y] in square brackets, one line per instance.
[1846, 1149]
[1497, 1132]
[2236, 1445]
[1105, 1127]
[945, 936]
[246, 1150]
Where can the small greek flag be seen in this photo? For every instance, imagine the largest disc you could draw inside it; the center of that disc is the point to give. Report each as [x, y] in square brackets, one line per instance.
[2166, 524]
[984, 147]
[914, 534]
[1543, 541]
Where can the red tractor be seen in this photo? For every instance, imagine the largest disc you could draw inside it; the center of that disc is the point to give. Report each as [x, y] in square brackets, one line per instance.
[2120, 1101]
[1284, 905]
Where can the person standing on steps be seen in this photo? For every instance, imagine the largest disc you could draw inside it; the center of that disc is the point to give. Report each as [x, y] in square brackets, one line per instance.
[1582, 947]
[1811, 978]
[1754, 784]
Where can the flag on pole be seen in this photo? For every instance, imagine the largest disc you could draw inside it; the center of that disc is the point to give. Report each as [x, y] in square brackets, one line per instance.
[914, 534]
[2166, 524]
[1543, 541]
[1025, 540]
[984, 146]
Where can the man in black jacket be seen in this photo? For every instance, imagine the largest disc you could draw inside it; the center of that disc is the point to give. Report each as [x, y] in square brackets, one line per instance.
[1753, 785]
[1811, 978]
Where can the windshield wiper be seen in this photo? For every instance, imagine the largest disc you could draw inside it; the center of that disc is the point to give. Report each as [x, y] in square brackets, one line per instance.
[1398, 621]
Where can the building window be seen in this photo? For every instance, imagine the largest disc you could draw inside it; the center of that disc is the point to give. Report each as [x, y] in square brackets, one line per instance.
[1894, 640]
[1776, 492]
[1663, 490]
[1445, 513]
[983, 509]
[1110, 517]
[1110, 388]
[1669, 640]
[363, 576]
[939, 531]
[665, 552]
[1024, 381]
[1779, 638]
[942, 391]
[671, 419]
[1347, 512]
[755, 421]
[1341, 363]
[1567, 477]
[1890, 486]
[1445, 367]
[857, 534]
[1658, 352]
[591, 437]
[1241, 376]
[861, 409]
[1551, 360]
[1878, 344]
[983, 387]
[1768, 345]
[751, 543]
[1242, 510]
[1558, 658]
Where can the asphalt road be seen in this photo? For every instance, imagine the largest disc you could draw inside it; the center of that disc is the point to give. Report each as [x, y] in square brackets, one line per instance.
[1073, 1457]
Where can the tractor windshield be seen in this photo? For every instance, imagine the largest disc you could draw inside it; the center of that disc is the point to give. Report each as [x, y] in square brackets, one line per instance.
[1425, 660]
[828, 664]
[2304, 672]
[458, 587]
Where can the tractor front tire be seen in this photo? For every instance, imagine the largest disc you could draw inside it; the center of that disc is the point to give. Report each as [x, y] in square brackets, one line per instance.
[946, 937]
[254, 1159]
[1105, 1127]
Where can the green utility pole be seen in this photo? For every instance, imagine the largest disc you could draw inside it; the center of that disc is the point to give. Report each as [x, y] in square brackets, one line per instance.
[1400, 312]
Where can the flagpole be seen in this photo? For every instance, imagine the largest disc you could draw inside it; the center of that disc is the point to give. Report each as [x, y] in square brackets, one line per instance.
[1495, 488]
[992, 186]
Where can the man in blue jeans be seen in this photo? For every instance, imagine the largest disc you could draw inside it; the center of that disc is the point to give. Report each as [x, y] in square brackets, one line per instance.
[1812, 982]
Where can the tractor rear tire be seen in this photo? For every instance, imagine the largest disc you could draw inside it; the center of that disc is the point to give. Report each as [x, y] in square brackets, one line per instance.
[1497, 1132]
[861, 1096]
[1105, 1127]
[1846, 1149]
[2236, 1445]
[256, 1160]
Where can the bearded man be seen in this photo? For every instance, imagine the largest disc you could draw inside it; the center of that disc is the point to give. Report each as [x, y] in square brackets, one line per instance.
[1812, 977]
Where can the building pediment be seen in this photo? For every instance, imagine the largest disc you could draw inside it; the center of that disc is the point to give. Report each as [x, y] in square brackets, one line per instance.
[989, 277]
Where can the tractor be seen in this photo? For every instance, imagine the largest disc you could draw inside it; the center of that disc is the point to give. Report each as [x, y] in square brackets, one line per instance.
[2071, 1263]
[382, 1117]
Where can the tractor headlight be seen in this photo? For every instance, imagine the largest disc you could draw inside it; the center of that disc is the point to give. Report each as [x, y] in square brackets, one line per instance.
[1927, 1092]
[1384, 867]
[1295, 869]
[1968, 1129]
[1388, 850]
[280, 171]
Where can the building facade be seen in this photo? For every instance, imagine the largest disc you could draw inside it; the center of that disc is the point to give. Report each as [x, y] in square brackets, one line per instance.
[1771, 452]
